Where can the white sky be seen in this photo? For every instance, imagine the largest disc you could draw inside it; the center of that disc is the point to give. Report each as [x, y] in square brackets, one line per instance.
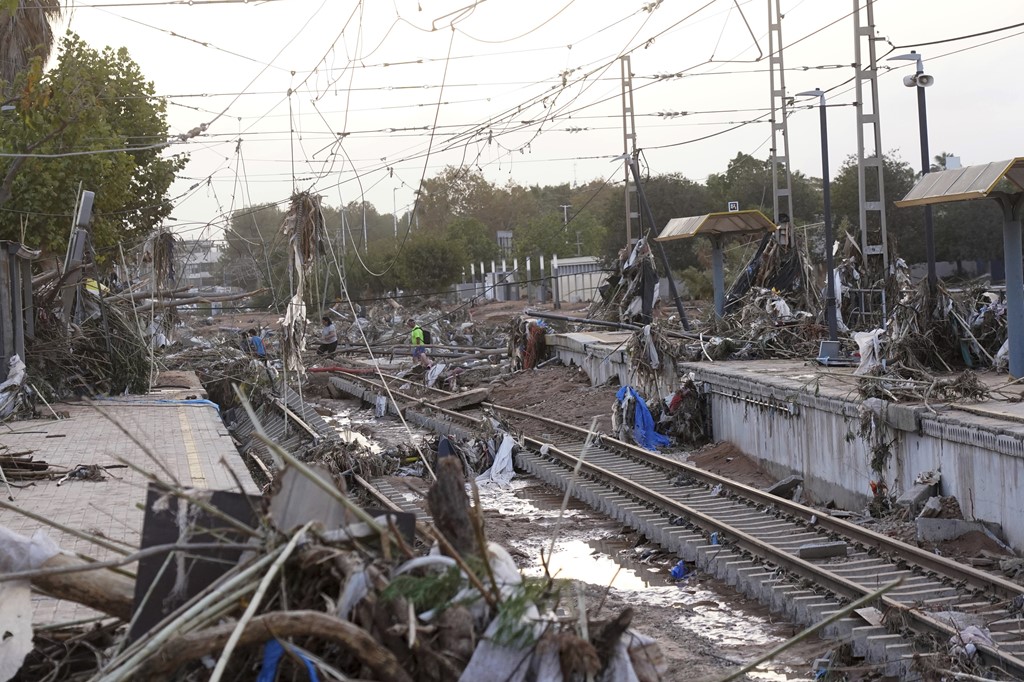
[366, 68]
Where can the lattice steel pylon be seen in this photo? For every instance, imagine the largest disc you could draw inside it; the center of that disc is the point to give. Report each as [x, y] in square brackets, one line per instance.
[782, 195]
[870, 167]
[629, 148]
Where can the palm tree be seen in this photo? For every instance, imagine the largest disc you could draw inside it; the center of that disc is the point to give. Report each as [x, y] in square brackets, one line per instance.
[25, 33]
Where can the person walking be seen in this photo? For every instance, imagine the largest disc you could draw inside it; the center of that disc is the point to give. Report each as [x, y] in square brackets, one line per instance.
[328, 338]
[419, 344]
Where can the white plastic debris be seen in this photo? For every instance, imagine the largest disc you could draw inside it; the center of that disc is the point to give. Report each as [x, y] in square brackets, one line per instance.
[870, 351]
[501, 472]
[433, 373]
[965, 642]
[13, 386]
[19, 553]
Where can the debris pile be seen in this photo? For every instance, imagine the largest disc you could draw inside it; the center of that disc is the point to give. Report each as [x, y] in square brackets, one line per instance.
[629, 294]
[526, 342]
[102, 351]
[308, 581]
[304, 229]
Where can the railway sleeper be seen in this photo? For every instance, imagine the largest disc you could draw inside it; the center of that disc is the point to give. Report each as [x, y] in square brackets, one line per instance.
[761, 582]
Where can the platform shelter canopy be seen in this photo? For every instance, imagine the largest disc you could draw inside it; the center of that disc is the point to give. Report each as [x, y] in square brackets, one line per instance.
[962, 184]
[732, 223]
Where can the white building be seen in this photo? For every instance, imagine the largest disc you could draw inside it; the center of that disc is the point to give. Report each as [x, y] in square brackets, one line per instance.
[200, 263]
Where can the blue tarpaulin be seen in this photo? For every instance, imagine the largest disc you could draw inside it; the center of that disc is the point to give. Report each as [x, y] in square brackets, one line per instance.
[273, 651]
[643, 423]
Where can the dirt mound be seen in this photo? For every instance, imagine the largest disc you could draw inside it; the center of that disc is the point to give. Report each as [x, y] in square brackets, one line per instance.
[562, 393]
[726, 459]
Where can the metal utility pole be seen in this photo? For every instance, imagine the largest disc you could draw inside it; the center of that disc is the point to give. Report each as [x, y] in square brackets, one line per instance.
[394, 210]
[830, 286]
[635, 170]
[870, 185]
[920, 80]
[782, 195]
[565, 213]
[628, 145]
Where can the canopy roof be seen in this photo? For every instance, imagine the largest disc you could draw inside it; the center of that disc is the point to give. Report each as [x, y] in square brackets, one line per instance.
[961, 184]
[717, 224]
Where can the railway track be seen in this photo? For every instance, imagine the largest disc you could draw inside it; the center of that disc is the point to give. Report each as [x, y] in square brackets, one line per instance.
[795, 559]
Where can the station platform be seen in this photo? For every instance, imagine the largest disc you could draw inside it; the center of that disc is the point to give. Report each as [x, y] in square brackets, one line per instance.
[797, 417]
[183, 436]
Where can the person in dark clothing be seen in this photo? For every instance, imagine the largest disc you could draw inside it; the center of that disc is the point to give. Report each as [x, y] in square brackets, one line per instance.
[328, 338]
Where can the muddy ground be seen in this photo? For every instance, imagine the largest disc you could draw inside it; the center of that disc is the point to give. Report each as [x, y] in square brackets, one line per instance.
[704, 628]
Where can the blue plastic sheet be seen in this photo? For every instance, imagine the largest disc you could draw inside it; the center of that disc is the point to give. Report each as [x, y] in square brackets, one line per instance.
[643, 423]
[273, 651]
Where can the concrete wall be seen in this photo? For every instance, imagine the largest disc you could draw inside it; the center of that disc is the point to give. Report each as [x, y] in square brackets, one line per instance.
[981, 460]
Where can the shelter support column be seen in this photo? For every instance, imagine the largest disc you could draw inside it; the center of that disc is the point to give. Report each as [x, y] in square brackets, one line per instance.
[718, 274]
[1012, 256]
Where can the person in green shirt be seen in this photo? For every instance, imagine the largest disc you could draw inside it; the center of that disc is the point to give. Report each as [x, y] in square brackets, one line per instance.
[419, 346]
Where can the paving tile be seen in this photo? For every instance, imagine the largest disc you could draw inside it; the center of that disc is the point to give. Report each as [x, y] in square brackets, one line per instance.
[183, 438]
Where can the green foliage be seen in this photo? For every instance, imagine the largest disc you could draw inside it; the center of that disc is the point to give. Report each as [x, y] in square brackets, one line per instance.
[749, 181]
[428, 592]
[697, 282]
[549, 235]
[90, 101]
[514, 630]
[430, 263]
[475, 239]
[904, 227]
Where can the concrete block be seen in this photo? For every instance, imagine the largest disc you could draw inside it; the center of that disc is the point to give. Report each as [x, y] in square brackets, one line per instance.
[821, 550]
[938, 530]
[786, 487]
[915, 497]
[903, 417]
[860, 639]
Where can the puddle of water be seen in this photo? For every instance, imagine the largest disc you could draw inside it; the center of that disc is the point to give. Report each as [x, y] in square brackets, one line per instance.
[590, 554]
[523, 497]
[350, 415]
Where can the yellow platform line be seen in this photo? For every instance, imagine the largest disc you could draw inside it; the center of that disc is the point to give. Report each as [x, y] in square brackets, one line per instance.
[195, 466]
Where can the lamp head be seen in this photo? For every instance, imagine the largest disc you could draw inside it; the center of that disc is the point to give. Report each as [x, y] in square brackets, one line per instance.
[816, 92]
[912, 56]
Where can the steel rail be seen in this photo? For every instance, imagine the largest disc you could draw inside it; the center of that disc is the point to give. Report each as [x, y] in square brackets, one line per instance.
[1003, 589]
[831, 582]
[820, 575]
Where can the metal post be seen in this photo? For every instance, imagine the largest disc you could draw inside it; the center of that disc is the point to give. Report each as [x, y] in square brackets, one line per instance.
[628, 141]
[718, 274]
[554, 282]
[782, 181]
[515, 279]
[529, 282]
[1014, 281]
[926, 164]
[394, 210]
[642, 196]
[870, 167]
[830, 294]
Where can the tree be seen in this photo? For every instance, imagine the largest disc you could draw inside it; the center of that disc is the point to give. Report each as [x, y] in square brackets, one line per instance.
[474, 238]
[749, 181]
[90, 102]
[429, 262]
[453, 193]
[255, 249]
[904, 226]
[25, 34]
[670, 196]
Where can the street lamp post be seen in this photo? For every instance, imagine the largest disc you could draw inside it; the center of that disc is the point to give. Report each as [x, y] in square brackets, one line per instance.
[921, 80]
[394, 210]
[830, 286]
